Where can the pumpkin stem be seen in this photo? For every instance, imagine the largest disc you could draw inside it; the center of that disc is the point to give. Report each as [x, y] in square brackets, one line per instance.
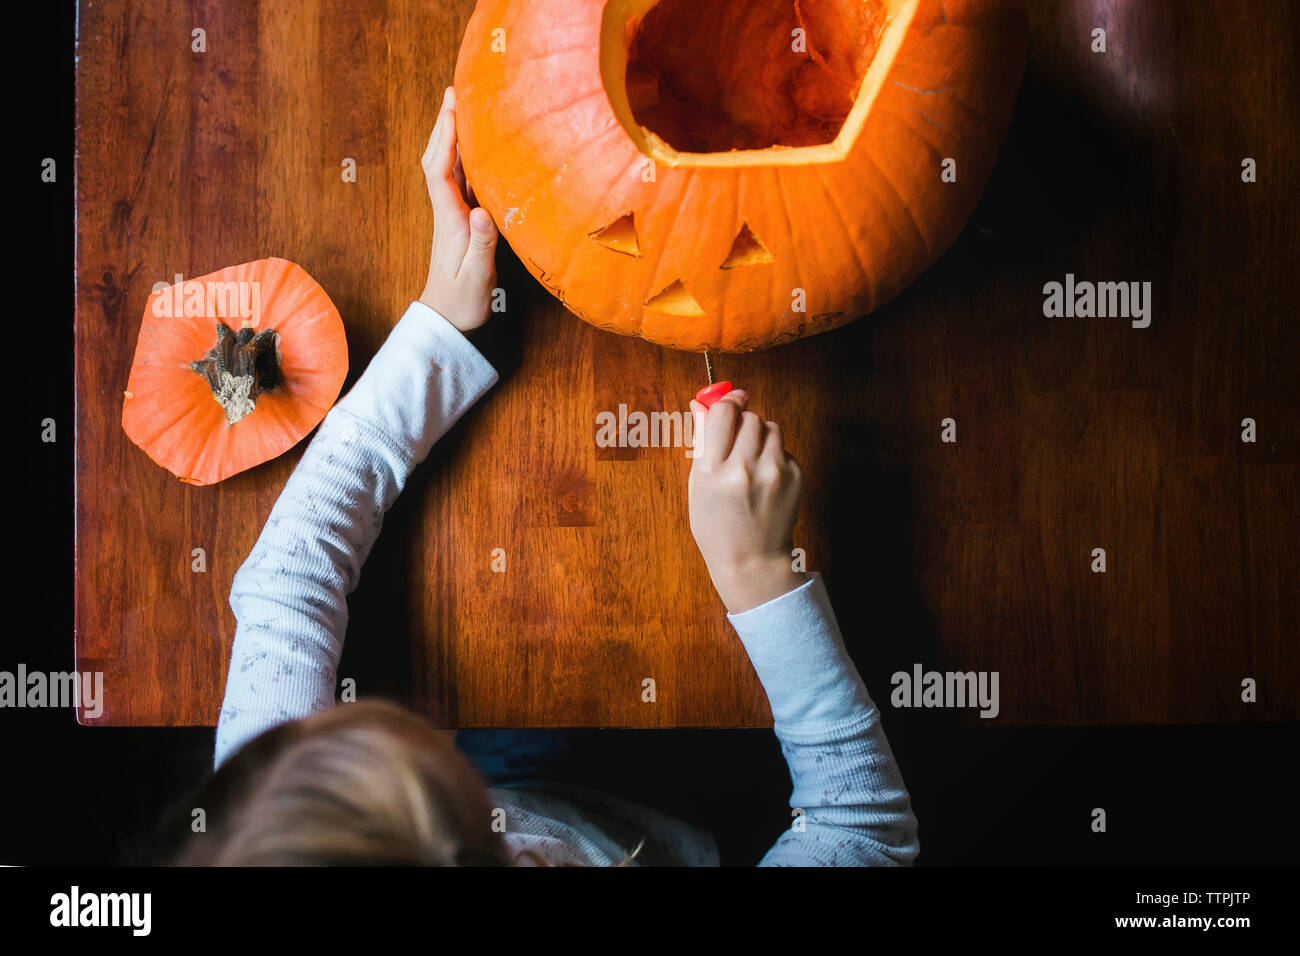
[241, 366]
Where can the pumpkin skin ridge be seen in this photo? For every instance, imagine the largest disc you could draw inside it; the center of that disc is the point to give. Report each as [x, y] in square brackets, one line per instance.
[688, 183]
[734, 291]
[869, 283]
[284, 270]
[548, 277]
[215, 462]
[558, 273]
[158, 443]
[577, 249]
[795, 247]
[911, 217]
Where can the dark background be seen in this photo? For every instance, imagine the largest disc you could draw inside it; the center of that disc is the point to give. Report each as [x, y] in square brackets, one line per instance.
[1173, 794]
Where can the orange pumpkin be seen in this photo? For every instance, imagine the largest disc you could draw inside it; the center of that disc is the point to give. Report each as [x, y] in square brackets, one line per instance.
[735, 174]
[233, 368]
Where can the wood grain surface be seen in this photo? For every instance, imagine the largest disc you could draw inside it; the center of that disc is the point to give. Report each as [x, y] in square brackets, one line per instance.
[1073, 434]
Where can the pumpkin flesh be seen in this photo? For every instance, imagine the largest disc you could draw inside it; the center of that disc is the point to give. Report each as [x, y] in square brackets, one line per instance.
[740, 84]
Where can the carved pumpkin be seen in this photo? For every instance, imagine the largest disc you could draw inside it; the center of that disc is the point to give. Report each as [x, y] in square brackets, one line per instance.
[737, 173]
[233, 368]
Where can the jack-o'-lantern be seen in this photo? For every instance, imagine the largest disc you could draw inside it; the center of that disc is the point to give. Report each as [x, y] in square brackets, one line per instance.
[732, 174]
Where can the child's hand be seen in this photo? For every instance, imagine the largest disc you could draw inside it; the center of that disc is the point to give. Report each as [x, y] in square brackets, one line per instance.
[462, 268]
[744, 493]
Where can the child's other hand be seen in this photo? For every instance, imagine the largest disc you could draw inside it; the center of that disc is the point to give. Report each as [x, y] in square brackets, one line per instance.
[462, 267]
[744, 494]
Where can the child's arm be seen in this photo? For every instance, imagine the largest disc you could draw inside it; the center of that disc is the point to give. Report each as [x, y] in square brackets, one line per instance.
[856, 808]
[290, 595]
[744, 492]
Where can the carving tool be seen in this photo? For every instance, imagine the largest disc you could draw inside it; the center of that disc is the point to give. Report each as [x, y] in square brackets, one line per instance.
[714, 390]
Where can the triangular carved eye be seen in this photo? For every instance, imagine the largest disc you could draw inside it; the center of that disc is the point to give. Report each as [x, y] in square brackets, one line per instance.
[619, 235]
[746, 250]
[675, 300]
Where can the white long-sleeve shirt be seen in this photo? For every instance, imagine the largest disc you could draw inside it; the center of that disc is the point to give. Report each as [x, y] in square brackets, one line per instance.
[290, 604]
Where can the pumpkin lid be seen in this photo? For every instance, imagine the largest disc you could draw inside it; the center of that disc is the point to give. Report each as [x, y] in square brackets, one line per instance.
[233, 368]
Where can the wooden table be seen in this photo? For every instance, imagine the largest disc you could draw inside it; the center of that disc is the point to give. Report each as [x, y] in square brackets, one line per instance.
[1073, 434]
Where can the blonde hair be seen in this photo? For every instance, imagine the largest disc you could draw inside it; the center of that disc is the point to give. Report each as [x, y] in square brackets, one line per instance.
[368, 783]
[363, 784]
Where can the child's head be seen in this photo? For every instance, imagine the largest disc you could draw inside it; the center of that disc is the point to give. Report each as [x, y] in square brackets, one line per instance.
[359, 784]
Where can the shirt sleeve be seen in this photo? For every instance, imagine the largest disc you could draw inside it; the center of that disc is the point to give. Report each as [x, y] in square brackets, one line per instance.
[290, 595]
[855, 809]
